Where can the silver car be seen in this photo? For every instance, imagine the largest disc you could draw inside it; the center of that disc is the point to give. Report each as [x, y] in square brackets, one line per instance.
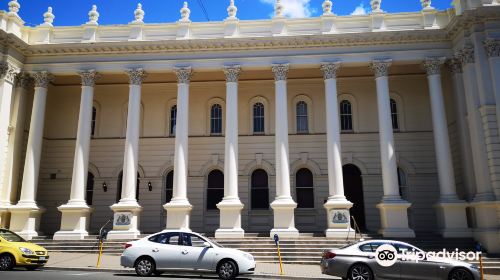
[366, 261]
[185, 251]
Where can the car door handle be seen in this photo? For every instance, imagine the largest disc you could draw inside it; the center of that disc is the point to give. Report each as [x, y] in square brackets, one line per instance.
[185, 252]
[156, 250]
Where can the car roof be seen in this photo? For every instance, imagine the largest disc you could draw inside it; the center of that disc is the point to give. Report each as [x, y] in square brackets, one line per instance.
[382, 241]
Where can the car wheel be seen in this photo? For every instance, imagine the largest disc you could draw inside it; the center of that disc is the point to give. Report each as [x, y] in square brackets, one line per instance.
[31, 268]
[227, 270]
[6, 262]
[460, 274]
[360, 272]
[145, 267]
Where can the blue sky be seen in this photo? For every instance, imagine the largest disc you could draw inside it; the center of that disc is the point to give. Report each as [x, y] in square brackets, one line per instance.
[74, 12]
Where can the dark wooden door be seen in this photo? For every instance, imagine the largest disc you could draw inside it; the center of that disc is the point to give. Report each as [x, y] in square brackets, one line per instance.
[353, 188]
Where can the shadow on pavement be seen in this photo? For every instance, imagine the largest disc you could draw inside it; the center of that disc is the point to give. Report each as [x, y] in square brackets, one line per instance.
[186, 276]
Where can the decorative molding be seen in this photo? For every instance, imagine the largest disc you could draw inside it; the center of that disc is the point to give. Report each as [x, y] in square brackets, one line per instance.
[329, 69]
[183, 74]
[492, 47]
[454, 65]
[232, 73]
[432, 65]
[8, 71]
[136, 76]
[381, 67]
[23, 80]
[42, 78]
[89, 77]
[280, 71]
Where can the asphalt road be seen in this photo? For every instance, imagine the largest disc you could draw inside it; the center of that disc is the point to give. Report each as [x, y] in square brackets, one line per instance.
[20, 274]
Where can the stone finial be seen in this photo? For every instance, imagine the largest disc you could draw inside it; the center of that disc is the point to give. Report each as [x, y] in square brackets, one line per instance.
[376, 5]
[327, 7]
[48, 17]
[183, 74]
[280, 71]
[185, 12]
[231, 10]
[89, 77]
[93, 15]
[381, 67]
[432, 65]
[492, 47]
[330, 69]
[426, 4]
[14, 7]
[232, 73]
[42, 79]
[136, 76]
[139, 14]
[278, 9]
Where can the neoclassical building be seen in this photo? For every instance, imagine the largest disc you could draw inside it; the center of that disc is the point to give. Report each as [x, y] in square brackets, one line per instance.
[283, 125]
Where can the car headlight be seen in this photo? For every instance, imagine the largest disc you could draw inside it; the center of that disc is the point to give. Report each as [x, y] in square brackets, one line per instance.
[248, 256]
[475, 267]
[26, 251]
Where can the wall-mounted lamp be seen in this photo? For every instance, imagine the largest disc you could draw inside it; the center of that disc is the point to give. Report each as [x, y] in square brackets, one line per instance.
[104, 187]
[150, 186]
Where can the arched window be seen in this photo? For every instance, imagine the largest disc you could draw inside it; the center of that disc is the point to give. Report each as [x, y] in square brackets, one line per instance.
[258, 118]
[90, 188]
[345, 115]
[259, 190]
[302, 121]
[169, 186]
[120, 187]
[394, 115]
[173, 119]
[216, 119]
[403, 184]
[215, 189]
[94, 119]
[305, 189]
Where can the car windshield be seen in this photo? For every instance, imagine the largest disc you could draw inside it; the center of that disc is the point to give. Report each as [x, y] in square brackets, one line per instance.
[10, 236]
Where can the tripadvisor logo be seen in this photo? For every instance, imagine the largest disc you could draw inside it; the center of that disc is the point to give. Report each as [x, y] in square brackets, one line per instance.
[386, 255]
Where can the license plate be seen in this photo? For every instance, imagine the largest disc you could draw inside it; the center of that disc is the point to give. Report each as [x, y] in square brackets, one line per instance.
[42, 258]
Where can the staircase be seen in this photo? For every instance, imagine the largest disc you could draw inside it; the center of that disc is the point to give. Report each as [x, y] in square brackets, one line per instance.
[303, 250]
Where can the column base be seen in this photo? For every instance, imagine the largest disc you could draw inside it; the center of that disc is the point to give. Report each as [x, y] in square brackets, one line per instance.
[394, 218]
[126, 220]
[487, 232]
[25, 219]
[338, 215]
[230, 219]
[452, 219]
[74, 222]
[284, 218]
[4, 216]
[178, 214]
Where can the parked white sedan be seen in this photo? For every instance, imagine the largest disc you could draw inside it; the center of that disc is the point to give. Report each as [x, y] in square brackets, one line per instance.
[185, 251]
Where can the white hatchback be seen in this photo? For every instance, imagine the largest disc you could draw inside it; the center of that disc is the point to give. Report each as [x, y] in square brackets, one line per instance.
[185, 251]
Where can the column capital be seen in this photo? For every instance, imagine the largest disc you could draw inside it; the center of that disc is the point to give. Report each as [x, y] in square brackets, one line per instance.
[381, 67]
[492, 47]
[183, 74]
[136, 76]
[329, 69]
[23, 80]
[232, 73]
[89, 77]
[454, 65]
[280, 71]
[8, 71]
[42, 78]
[466, 55]
[432, 65]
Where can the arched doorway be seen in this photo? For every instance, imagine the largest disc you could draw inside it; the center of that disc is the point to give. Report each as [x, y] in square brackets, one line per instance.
[353, 188]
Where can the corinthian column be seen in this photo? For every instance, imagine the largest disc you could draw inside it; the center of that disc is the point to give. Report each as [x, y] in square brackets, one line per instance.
[128, 206]
[25, 216]
[451, 211]
[337, 205]
[283, 205]
[393, 209]
[179, 208]
[7, 75]
[230, 207]
[76, 213]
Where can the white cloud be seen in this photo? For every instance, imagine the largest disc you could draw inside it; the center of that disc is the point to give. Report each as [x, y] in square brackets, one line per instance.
[293, 8]
[360, 10]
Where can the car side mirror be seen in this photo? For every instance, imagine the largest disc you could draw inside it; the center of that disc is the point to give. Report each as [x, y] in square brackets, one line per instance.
[206, 245]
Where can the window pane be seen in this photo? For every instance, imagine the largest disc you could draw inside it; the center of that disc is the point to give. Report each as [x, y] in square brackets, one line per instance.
[173, 119]
[90, 188]
[216, 119]
[215, 189]
[259, 190]
[169, 186]
[305, 189]
[345, 115]
[258, 118]
[394, 115]
[304, 178]
[196, 241]
[302, 121]
[94, 117]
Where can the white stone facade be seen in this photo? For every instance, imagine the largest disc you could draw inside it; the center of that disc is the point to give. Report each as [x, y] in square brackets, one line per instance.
[335, 92]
